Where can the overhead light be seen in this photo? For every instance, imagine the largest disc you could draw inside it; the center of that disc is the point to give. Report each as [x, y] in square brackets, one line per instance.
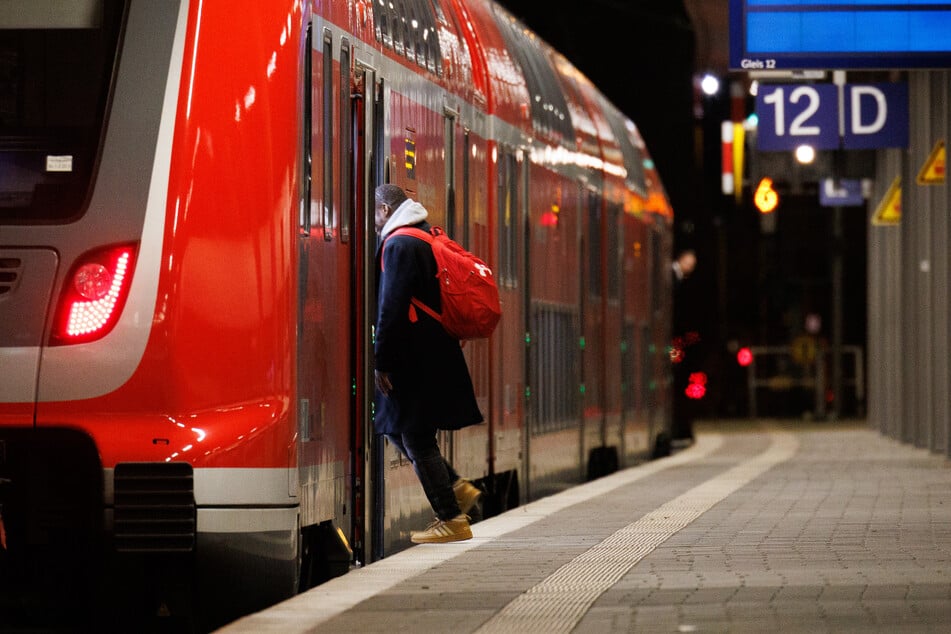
[805, 154]
[709, 84]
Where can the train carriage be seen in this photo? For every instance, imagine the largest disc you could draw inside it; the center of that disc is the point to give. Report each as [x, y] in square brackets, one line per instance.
[187, 288]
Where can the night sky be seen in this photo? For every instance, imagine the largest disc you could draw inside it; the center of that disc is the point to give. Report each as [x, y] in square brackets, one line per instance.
[640, 53]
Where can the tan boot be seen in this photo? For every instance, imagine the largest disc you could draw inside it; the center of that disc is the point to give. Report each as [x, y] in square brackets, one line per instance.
[443, 531]
[467, 494]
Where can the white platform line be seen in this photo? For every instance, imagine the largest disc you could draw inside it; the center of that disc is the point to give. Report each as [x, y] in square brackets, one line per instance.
[559, 602]
[303, 612]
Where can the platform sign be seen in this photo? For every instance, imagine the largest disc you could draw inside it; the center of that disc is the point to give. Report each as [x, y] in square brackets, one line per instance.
[790, 115]
[888, 211]
[839, 34]
[843, 192]
[932, 172]
[876, 116]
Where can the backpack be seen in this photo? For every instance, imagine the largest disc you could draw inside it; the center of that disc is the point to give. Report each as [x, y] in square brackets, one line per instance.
[469, 295]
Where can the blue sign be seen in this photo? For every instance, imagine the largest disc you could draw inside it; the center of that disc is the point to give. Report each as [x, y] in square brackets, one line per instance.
[876, 116]
[790, 115]
[839, 34]
[797, 114]
[845, 192]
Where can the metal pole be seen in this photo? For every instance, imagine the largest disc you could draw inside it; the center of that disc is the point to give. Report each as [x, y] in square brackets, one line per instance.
[751, 384]
[837, 312]
[839, 79]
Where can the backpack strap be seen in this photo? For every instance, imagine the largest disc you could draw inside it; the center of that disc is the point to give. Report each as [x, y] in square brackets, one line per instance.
[426, 236]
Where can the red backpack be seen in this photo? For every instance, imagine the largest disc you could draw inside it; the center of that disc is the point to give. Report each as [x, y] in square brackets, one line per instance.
[470, 298]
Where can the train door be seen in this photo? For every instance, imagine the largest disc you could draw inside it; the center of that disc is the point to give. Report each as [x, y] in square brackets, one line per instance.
[450, 116]
[604, 457]
[594, 323]
[336, 241]
[512, 434]
[377, 170]
[363, 133]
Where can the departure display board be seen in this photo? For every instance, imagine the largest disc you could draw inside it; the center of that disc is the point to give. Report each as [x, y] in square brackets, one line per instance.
[839, 34]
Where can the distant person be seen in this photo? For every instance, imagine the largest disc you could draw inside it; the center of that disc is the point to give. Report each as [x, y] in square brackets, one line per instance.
[684, 265]
[422, 380]
[685, 336]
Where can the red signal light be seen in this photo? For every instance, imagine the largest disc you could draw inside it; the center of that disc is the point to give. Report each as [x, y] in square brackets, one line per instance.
[93, 295]
[698, 385]
[744, 356]
[695, 391]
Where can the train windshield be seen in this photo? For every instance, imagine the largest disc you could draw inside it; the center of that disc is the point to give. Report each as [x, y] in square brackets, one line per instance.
[57, 61]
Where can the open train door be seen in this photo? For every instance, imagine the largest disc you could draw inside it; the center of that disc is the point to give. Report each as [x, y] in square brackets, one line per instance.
[337, 289]
[376, 173]
[365, 135]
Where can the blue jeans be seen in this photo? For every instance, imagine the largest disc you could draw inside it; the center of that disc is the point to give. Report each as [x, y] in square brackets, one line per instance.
[434, 472]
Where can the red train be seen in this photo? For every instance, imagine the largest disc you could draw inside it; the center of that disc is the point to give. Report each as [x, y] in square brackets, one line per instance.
[187, 287]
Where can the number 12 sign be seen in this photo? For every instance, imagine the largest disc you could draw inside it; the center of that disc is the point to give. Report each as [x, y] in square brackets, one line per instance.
[875, 116]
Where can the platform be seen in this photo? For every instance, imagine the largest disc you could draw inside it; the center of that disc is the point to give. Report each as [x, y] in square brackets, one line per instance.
[757, 526]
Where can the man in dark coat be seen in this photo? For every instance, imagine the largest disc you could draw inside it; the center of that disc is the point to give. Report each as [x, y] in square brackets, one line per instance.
[685, 336]
[422, 379]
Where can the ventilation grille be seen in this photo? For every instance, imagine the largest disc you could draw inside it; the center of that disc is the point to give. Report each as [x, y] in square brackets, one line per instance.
[10, 273]
[154, 507]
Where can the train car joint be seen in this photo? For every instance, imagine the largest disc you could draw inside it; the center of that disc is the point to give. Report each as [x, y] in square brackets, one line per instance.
[602, 461]
[501, 493]
[326, 554]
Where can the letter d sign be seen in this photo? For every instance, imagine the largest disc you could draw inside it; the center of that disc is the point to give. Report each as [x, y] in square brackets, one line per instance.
[876, 116]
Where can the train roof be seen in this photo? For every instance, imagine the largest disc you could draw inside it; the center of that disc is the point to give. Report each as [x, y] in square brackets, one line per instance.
[482, 53]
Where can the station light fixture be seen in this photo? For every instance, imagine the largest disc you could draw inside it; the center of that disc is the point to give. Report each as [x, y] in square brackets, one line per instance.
[765, 197]
[805, 154]
[709, 84]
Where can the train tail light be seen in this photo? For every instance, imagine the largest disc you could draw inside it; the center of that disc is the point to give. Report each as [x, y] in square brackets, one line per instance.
[93, 295]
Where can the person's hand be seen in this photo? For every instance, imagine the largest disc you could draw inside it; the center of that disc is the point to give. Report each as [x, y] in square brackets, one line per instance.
[383, 382]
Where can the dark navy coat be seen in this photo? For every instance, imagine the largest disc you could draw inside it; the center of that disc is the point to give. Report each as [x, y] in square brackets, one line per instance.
[432, 388]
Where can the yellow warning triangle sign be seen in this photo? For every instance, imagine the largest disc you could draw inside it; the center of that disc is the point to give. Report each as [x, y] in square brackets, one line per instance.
[888, 211]
[932, 172]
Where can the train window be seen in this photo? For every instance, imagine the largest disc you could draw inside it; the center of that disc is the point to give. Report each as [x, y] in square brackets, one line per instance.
[382, 17]
[409, 28]
[409, 24]
[345, 140]
[660, 273]
[508, 218]
[628, 367]
[626, 133]
[307, 152]
[327, 120]
[52, 114]
[549, 108]
[415, 30]
[437, 10]
[594, 245]
[554, 359]
[615, 228]
[428, 14]
[398, 26]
